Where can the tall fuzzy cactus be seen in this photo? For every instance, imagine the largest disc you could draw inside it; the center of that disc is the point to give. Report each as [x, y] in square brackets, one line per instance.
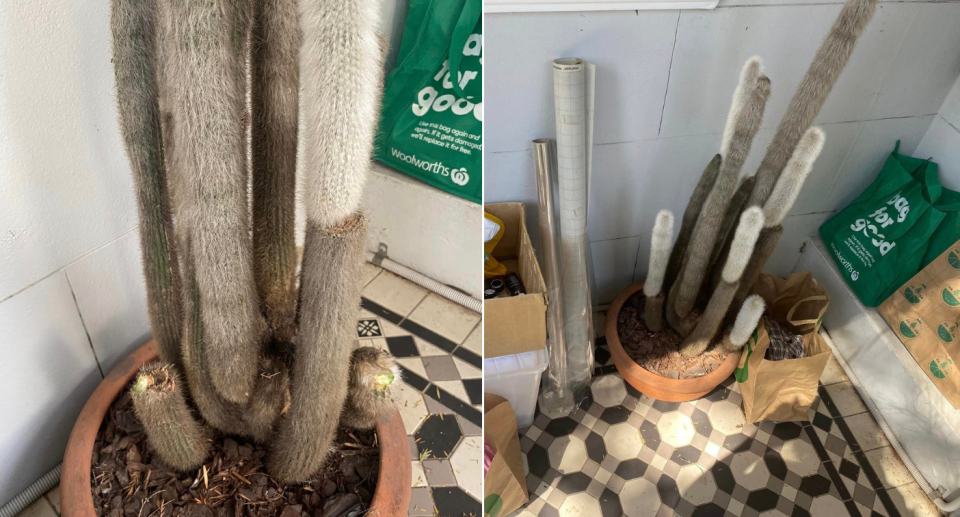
[134, 63]
[750, 100]
[708, 324]
[221, 267]
[747, 319]
[660, 246]
[731, 226]
[274, 92]
[201, 45]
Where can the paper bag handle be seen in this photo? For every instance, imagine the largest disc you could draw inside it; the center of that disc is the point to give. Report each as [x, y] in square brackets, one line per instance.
[797, 323]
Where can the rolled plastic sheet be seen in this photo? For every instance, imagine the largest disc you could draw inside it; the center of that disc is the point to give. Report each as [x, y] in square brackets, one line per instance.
[554, 392]
[570, 86]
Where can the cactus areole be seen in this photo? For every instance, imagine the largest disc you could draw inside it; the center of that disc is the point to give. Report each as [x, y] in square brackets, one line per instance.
[251, 343]
[686, 327]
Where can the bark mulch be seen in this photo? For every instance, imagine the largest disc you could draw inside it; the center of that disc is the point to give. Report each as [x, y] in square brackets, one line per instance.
[659, 352]
[129, 480]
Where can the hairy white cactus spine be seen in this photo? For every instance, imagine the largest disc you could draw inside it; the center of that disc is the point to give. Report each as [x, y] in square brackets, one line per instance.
[830, 60]
[340, 81]
[746, 322]
[748, 76]
[788, 187]
[741, 250]
[202, 54]
[706, 233]
[744, 240]
[660, 245]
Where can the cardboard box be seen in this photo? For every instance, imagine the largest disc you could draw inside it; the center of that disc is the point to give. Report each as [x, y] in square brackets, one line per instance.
[515, 324]
[925, 315]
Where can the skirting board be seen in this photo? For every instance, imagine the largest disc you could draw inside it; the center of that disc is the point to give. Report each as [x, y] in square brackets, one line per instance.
[924, 422]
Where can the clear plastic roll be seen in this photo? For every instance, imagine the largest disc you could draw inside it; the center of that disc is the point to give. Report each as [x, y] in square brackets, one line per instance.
[567, 384]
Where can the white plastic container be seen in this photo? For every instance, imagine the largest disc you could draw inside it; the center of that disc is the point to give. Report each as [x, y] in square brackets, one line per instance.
[517, 378]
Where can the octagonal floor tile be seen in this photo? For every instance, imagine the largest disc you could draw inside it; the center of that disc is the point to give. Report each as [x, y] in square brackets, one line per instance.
[749, 470]
[676, 429]
[609, 390]
[466, 461]
[567, 454]
[410, 403]
[639, 498]
[726, 417]
[696, 484]
[623, 441]
[800, 457]
[438, 437]
[580, 505]
[828, 505]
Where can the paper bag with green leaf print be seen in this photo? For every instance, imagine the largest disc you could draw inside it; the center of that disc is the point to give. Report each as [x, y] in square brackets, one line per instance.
[925, 315]
[785, 390]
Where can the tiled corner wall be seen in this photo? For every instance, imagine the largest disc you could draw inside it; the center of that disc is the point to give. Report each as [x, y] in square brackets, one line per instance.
[664, 82]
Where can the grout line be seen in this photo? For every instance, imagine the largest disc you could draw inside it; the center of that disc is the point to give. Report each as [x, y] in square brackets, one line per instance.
[84, 324]
[68, 264]
[666, 90]
[693, 135]
[374, 277]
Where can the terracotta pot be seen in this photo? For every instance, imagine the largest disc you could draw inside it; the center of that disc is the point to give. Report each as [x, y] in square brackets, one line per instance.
[390, 499]
[651, 384]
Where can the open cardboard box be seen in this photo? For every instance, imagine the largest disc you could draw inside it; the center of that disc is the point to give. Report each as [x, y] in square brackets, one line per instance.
[515, 324]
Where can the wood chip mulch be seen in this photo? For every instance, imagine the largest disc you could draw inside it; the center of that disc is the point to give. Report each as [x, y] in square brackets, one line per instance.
[128, 480]
[659, 352]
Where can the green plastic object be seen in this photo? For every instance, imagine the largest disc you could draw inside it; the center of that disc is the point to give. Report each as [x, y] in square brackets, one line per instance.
[893, 229]
[430, 125]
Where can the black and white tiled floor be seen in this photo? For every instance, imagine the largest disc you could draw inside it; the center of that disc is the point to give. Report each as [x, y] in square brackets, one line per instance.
[624, 453]
[437, 344]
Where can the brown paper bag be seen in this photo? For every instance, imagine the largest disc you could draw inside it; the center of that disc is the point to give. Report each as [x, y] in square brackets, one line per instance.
[785, 390]
[504, 485]
[925, 315]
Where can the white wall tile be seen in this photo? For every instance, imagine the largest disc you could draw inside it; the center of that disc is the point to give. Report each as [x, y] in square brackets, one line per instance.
[874, 143]
[950, 110]
[942, 142]
[796, 228]
[631, 52]
[65, 185]
[816, 193]
[48, 373]
[926, 66]
[712, 46]
[613, 264]
[632, 182]
[511, 177]
[112, 298]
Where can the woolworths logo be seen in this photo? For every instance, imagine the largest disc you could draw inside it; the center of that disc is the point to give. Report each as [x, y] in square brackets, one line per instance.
[458, 176]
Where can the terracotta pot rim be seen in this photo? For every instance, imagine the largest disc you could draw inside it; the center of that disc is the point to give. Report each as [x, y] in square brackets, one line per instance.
[630, 368]
[391, 496]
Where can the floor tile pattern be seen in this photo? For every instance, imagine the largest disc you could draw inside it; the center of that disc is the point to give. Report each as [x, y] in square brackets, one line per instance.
[623, 453]
[436, 344]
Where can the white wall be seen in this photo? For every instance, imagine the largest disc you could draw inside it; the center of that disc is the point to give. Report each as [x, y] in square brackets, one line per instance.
[942, 140]
[664, 82]
[72, 302]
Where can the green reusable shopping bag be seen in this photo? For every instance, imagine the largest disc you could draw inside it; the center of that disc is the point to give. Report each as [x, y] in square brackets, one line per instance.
[880, 240]
[431, 125]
